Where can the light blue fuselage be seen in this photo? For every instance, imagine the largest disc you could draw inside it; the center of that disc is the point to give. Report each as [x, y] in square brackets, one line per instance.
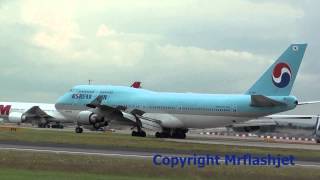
[187, 110]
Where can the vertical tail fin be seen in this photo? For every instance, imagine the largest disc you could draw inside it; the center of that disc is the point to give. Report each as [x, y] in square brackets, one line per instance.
[279, 78]
[136, 84]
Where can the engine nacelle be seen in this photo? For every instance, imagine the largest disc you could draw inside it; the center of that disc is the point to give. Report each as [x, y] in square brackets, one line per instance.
[16, 117]
[87, 117]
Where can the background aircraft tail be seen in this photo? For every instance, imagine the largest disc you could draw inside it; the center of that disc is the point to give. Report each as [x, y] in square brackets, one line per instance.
[136, 84]
[279, 78]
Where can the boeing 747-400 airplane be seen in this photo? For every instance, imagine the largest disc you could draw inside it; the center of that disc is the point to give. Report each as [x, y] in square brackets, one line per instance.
[171, 114]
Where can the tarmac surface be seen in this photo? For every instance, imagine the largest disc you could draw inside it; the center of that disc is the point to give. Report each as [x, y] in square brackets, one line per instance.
[251, 142]
[240, 141]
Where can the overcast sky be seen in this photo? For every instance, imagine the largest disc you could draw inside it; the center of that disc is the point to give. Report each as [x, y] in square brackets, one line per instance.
[203, 46]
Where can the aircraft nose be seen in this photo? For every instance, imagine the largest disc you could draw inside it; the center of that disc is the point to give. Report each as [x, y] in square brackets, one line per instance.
[63, 100]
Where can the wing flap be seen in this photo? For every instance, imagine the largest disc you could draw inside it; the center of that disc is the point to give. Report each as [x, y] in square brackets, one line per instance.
[35, 111]
[147, 123]
[151, 125]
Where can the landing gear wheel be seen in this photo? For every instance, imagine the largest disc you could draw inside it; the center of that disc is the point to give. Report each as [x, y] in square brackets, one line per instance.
[143, 134]
[182, 136]
[179, 135]
[96, 125]
[43, 125]
[57, 126]
[140, 133]
[134, 133]
[162, 135]
[157, 135]
[79, 130]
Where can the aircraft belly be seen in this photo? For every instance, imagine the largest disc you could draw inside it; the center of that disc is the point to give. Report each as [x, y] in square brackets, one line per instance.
[201, 121]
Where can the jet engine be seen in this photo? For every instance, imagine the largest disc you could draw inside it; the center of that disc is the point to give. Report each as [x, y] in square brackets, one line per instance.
[16, 117]
[88, 117]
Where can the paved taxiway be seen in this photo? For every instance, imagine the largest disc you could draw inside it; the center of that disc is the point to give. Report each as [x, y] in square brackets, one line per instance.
[223, 140]
[238, 141]
[59, 149]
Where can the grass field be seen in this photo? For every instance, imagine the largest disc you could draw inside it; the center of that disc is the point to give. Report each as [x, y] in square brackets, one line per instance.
[120, 141]
[27, 165]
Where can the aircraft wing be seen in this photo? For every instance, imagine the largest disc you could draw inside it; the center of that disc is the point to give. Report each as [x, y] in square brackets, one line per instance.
[96, 102]
[36, 112]
[150, 123]
[147, 123]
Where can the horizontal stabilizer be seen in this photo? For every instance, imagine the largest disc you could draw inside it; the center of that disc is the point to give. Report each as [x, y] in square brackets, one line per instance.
[308, 102]
[290, 117]
[263, 101]
[255, 122]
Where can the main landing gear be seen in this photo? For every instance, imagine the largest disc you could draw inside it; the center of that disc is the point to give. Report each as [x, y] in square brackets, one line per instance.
[99, 125]
[139, 132]
[44, 125]
[172, 133]
[57, 126]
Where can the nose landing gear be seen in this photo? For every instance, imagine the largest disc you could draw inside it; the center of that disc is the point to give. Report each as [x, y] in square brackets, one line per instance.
[79, 129]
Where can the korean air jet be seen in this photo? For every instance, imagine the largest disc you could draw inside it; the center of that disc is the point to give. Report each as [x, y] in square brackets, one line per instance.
[171, 114]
